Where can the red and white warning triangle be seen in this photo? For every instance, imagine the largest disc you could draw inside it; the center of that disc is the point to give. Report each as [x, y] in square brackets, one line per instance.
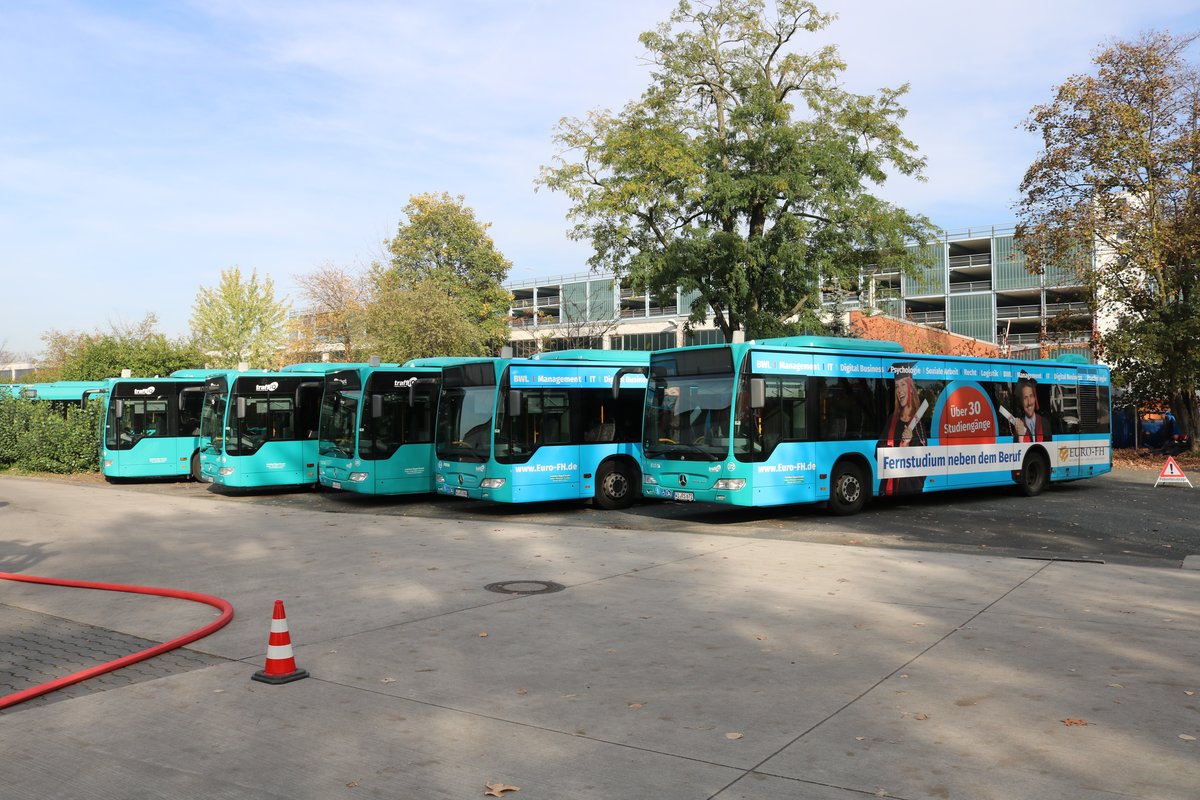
[1171, 473]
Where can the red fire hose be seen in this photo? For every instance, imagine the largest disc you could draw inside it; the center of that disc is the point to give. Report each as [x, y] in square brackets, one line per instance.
[216, 625]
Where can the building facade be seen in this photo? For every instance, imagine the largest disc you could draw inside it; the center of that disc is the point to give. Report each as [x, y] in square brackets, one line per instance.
[975, 284]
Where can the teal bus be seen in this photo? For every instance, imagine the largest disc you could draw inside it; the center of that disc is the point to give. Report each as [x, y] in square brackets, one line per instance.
[59, 393]
[813, 419]
[376, 428]
[258, 429]
[542, 428]
[151, 426]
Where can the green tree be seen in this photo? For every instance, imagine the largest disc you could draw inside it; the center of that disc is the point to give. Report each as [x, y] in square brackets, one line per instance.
[422, 320]
[743, 172]
[140, 348]
[239, 320]
[440, 243]
[1115, 195]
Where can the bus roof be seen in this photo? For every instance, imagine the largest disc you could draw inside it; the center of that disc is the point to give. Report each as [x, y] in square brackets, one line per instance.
[61, 390]
[627, 356]
[446, 361]
[832, 343]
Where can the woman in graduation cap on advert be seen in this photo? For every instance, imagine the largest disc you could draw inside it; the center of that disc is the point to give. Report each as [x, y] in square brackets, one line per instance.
[905, 428]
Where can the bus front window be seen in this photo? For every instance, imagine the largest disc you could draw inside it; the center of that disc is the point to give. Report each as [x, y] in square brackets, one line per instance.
[339, 416]
[465, 423]
[688, 398]
[212, 419]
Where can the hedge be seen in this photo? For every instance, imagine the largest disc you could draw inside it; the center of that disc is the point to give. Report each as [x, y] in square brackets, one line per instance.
[41, 436]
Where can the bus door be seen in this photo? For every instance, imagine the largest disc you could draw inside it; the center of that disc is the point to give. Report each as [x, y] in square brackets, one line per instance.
[778, 432]
[542, 421]
[188, 406]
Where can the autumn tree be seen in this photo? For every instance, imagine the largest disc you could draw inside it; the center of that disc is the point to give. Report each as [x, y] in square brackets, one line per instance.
[335, 304]
[441, 252]
[239, 320]
[1115, 195]
[744, 172]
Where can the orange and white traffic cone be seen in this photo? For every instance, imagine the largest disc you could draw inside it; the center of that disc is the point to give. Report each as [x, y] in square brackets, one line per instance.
[281, 664]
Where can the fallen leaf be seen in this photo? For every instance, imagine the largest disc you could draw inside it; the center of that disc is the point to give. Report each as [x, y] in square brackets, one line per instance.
[498, 789]
[733, 736]
[387, 680]
[1187, 738]
[1075, 723]
[920, 716]
[860, 738]
[483, 635]
[761, 638]
[1188, 692]
[352, 785]
[1115, 686]
[522, 691]
[637, 705]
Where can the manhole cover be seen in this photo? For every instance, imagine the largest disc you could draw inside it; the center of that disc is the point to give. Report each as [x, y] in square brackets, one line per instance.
[525, 587]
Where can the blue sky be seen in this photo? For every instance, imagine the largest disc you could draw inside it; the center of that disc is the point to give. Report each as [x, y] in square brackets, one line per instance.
[146, 146]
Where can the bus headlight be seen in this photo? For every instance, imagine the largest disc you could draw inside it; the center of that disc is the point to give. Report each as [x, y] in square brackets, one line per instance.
[730, 484]
[358, 477]
[650, 479]
[491, 483]
[439, 478]
[226, 470]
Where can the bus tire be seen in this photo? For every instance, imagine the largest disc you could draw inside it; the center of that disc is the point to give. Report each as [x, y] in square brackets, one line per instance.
[194, 473]
[1035, 473]
[849, 489]
[616, 484]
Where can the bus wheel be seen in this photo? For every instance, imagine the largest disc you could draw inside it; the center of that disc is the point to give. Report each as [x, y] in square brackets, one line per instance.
[848, 492]
[1035, 473]
[195, 473]
[615, 485]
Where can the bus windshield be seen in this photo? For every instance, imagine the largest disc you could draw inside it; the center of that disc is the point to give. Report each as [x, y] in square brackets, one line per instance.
[212, 414]
[339, 414]
[400, 412]
[465, 422]
[272, 409]
[688, 405]
[131, 420]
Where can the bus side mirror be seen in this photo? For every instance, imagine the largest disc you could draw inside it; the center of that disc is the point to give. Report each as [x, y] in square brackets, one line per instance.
[376, 406]
[241, 408]
[514, 402]
[758, 392]
[119, 408]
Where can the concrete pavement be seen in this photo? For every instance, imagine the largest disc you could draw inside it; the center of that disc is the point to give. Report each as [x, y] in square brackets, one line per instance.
[671, 665]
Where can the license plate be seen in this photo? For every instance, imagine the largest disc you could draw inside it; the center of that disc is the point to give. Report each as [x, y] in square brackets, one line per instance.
[460, 493]
[687, 496]
[336, 484]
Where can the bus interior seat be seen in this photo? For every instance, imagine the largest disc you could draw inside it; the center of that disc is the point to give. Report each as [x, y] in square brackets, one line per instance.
[601, 432]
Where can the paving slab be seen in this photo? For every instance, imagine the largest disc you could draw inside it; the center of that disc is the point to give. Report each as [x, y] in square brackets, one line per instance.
[669, 666]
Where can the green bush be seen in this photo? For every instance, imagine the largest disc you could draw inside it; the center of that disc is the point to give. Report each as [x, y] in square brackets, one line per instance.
[49, 437]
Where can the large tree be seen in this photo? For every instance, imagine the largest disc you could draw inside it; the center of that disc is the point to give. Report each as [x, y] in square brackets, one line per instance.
[335, 301]
[239, 321]
[421, 321]
[744, 172]
[441, 250]
[1115, 194]
[139, 348]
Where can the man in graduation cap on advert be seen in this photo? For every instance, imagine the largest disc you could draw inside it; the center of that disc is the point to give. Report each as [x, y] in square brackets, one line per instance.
[1029, 425]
